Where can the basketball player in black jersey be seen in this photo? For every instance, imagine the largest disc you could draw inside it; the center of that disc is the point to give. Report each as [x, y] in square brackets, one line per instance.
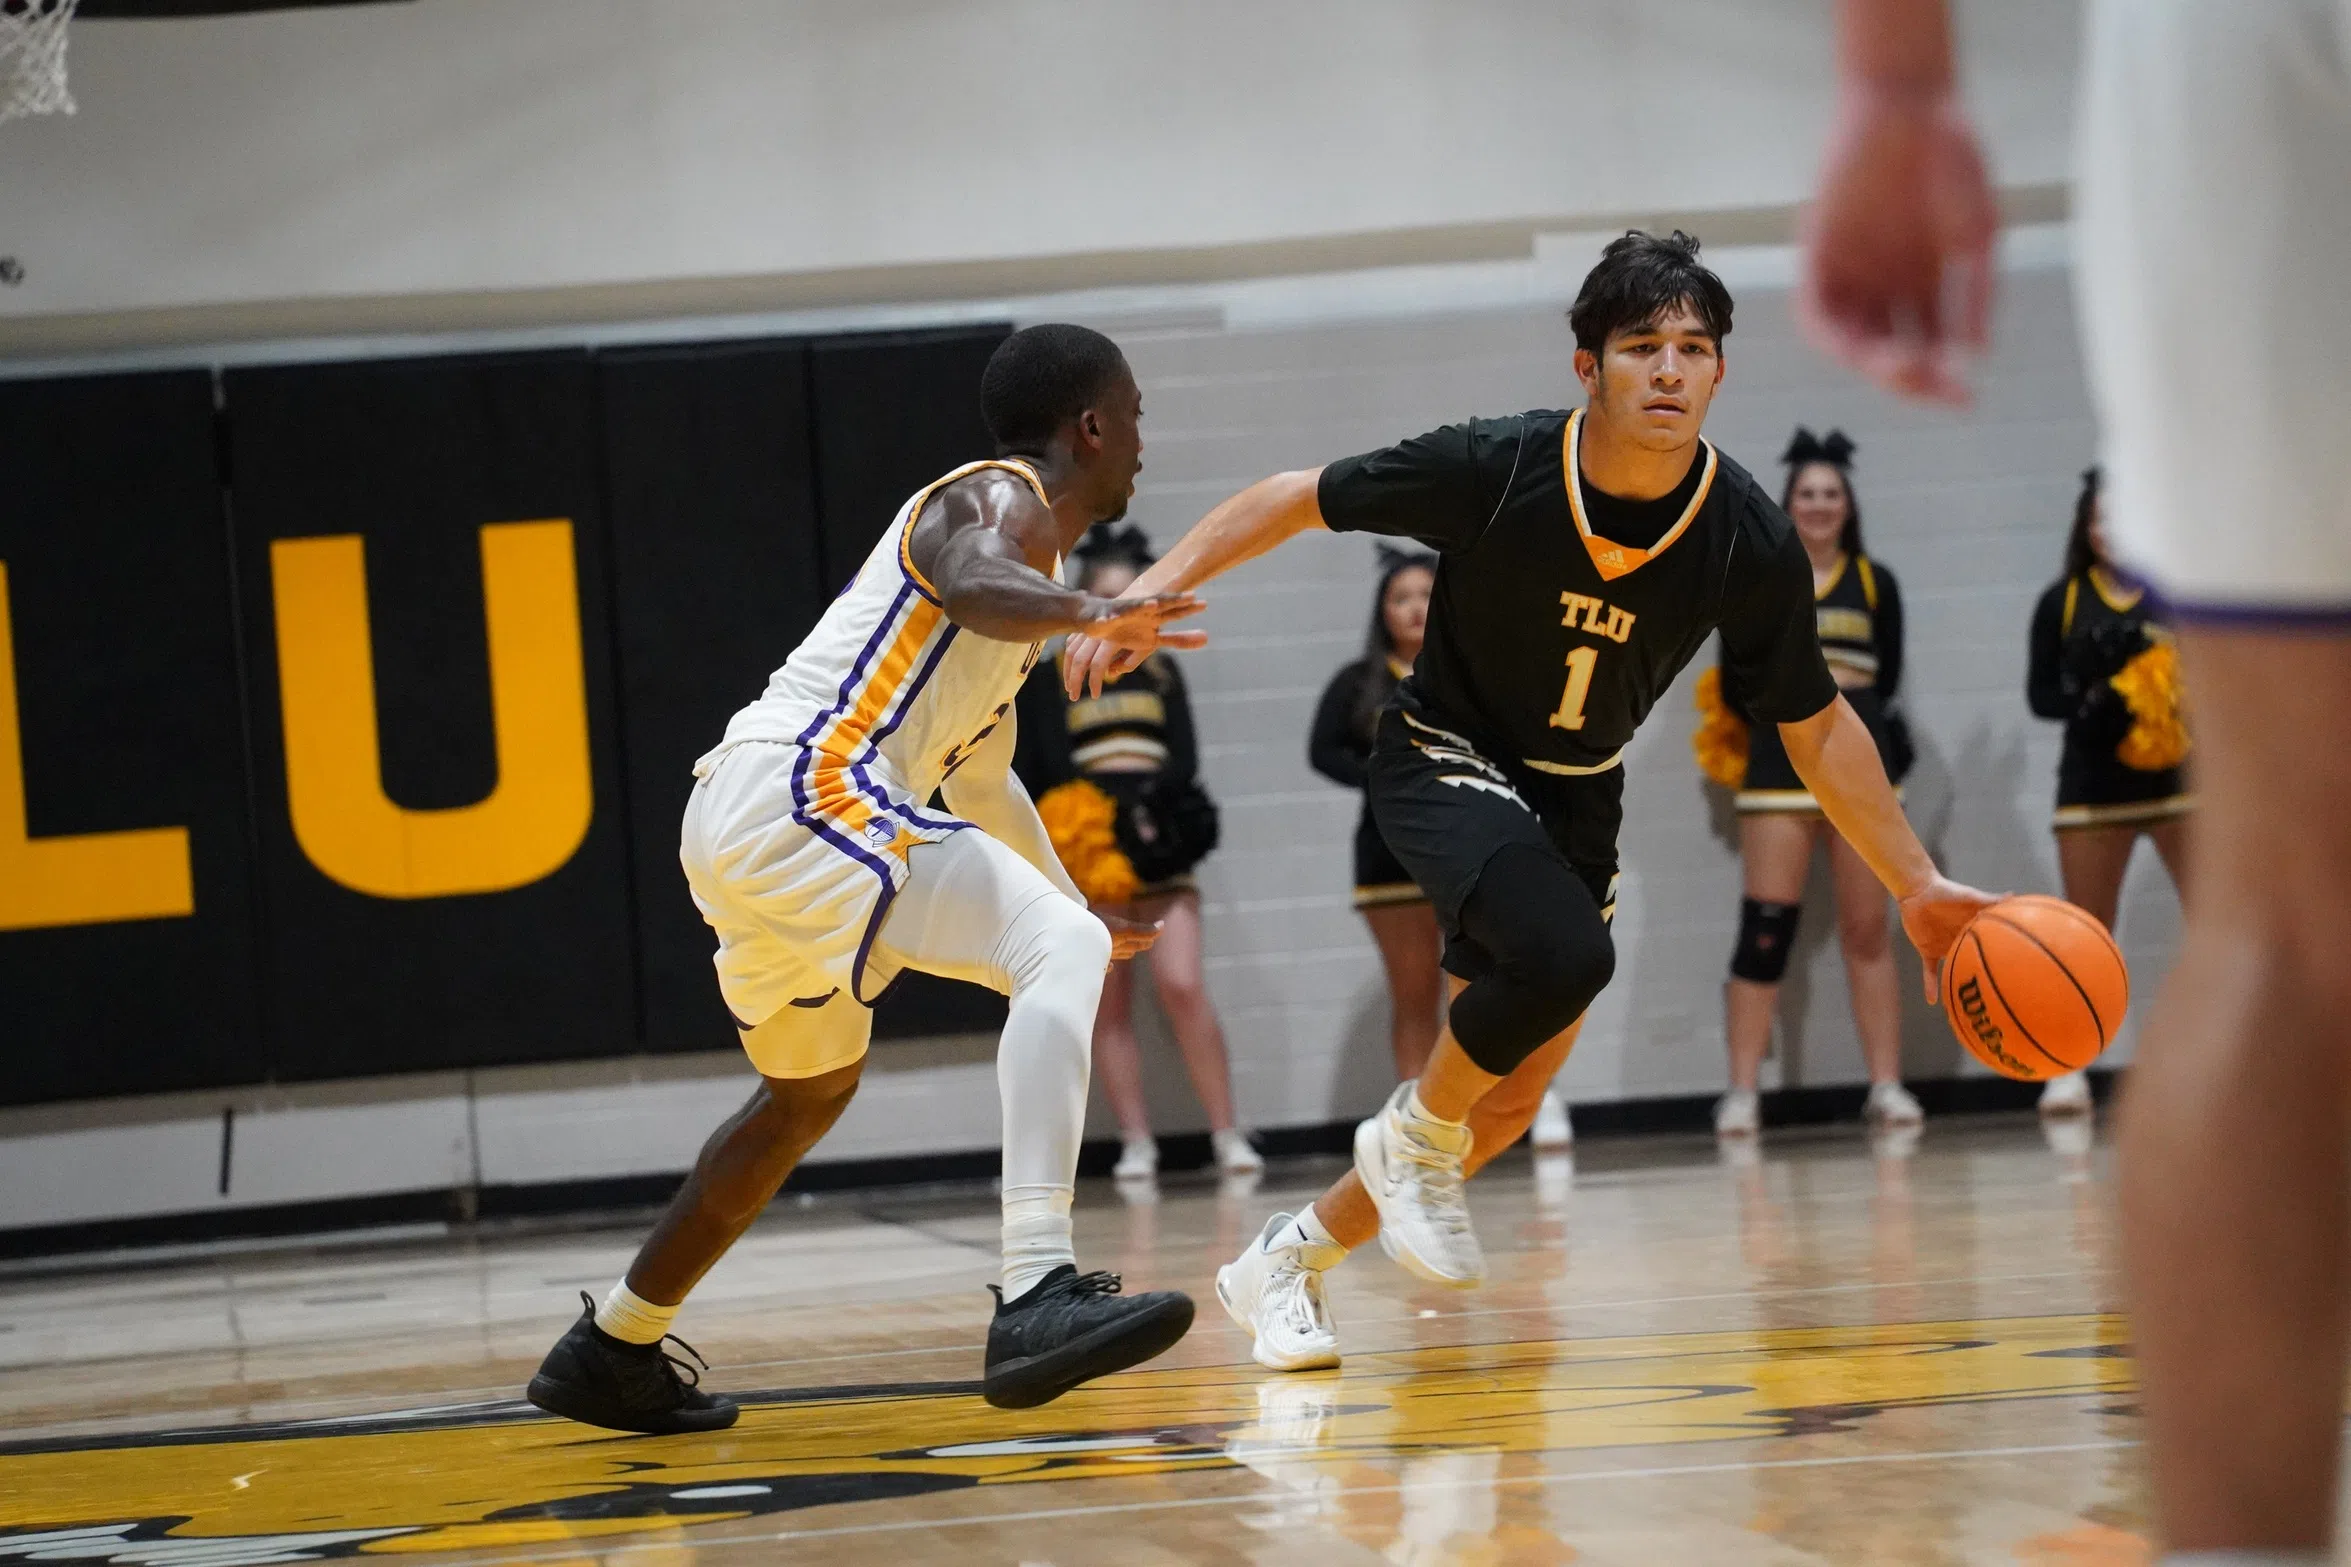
[1584, 558]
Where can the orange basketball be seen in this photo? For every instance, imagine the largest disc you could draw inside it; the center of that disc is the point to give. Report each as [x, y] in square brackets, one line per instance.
[2035, 987]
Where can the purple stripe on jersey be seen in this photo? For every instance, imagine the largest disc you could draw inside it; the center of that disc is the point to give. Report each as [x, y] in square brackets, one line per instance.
[906, 570]
[857, 668]
[921, 678]
[2308, 619]
[873, 929]
[874, 791]
[856, 851]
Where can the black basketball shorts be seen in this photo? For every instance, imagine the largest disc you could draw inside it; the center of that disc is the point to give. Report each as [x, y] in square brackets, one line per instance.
[1444, 809]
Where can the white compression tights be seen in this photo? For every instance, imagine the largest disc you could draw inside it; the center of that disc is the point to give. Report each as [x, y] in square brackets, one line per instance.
[974, 910]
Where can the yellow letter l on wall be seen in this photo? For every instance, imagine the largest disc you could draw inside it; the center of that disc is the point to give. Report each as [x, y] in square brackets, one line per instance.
[88, 878]
[532, 821]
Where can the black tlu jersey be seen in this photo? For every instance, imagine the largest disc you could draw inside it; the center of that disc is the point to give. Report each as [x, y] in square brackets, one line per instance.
[1548, 639]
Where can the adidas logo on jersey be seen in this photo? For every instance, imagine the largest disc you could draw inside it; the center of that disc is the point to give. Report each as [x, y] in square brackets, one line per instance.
[1612, 557]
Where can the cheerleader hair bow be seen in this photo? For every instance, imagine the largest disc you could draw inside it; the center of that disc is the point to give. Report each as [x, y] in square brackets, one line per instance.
[1106, 542]
[1393, 560]
[1834, 448]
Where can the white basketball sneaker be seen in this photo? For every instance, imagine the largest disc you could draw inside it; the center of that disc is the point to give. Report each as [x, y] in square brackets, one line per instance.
[1274, 1290]
[1738, 1113]
[1138, 1159]
[1413, 1172]
[1553, 1131]
[1234, 1154]
[1890, 1104]
[2067, 1095]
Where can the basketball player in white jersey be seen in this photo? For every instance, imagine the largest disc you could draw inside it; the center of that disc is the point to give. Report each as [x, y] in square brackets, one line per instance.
[2213, 233]
[812, 849]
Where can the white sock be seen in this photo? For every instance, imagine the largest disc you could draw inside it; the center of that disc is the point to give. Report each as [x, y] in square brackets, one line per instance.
[632, 1319]
[1036, 1236]
[1307, 1229]
[1414, 1110]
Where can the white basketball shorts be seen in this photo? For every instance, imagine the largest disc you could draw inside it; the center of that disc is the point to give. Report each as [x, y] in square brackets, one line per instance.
[2213, 273]
[814, 919]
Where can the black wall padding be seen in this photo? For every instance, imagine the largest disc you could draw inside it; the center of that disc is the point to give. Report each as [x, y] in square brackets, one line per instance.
[893, 412]
[716, 580]
[417, 457]
[118, 587]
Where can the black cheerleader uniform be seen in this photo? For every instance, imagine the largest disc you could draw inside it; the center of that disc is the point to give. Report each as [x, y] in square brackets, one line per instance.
[1167, 822]
[1339, 748]
[2085, 629]
[1859, 615]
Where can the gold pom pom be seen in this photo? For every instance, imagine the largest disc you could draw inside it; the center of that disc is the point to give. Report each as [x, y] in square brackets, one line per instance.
[1082, 821]
[2150, 687]
[1720, 741]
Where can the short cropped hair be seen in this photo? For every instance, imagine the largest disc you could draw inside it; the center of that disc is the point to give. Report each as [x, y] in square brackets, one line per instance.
[1641, 278]
[1040, 378]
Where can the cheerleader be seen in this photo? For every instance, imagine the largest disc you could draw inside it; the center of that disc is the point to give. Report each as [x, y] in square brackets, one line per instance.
[1860, 622]
[1116, 780]
[1403, 924]
[2102, 665]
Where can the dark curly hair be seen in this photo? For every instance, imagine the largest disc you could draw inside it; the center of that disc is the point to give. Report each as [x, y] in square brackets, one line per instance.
[1640, 279]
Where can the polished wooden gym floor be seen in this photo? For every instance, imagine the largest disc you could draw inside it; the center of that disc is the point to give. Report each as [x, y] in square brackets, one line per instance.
[1831, 1351]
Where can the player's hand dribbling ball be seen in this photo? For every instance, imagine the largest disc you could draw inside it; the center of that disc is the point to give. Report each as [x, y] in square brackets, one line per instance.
[2035, 987]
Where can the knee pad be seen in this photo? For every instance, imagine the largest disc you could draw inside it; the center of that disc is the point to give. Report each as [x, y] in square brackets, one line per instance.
[1766, 931]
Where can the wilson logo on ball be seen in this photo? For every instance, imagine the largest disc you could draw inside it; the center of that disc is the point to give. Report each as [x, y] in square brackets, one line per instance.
[1987, 1032]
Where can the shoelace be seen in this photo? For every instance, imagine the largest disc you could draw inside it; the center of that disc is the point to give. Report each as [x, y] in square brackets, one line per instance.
[1092, 1284]
[678, 1371]
[1437, 1174]
[1076, 1284]
[1297, 1299]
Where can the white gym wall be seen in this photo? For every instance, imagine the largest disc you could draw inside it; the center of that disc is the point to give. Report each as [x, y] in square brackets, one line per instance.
[380, 165]
[465, 171]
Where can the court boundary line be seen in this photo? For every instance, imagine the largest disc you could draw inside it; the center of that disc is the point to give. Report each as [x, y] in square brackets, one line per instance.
[1306, 1456]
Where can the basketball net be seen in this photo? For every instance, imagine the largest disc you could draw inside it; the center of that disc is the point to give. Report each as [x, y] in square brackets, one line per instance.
[32, 57]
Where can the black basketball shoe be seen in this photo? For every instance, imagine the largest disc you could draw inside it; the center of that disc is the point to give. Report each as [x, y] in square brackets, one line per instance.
[592, 1377]
[1071, 1328]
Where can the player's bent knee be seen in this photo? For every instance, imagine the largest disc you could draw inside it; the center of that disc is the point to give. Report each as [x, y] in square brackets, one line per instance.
[1054, 939]
[830, 1091]
[1766, 932]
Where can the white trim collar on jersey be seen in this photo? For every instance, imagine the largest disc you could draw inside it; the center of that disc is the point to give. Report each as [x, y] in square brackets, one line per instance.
[1610, 559]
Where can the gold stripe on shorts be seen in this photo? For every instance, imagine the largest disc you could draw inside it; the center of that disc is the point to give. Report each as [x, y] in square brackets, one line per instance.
[2162, 810]
[1384, 893]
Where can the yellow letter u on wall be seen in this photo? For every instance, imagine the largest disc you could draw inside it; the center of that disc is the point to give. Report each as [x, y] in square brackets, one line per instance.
[86, 878]
[524, 828]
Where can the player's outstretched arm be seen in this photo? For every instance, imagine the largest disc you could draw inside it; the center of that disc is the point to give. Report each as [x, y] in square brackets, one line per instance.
[1897, 275]
[987, 544]
[1239, 529]
[1837, 758]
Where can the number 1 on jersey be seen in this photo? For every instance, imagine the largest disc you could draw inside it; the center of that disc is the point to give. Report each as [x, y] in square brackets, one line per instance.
[1579, 686]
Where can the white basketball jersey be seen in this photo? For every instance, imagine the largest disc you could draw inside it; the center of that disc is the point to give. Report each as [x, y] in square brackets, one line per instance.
[885, 695]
